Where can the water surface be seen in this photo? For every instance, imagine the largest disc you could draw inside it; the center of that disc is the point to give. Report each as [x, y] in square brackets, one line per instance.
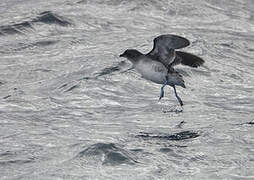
[70, 110]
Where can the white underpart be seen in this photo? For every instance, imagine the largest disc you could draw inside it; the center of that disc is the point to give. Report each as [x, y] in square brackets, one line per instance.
[152, 70]
[157, 72]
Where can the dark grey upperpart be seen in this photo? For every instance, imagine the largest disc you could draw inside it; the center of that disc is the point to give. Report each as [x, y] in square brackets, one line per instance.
[131, 54]
[169, 41]
[164, 51]
[187, 59]
[164, 48]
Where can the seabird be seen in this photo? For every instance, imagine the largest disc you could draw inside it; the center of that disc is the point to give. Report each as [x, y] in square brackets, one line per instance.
[158, 65]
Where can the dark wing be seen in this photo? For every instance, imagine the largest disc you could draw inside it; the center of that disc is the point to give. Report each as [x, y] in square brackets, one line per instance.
[187, 59]
[164, 48]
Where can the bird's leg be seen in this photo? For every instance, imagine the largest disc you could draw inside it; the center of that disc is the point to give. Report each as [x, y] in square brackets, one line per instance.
[178, 98]
[162, 89]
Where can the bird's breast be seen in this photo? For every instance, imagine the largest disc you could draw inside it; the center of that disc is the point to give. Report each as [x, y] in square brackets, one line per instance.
[152, 70]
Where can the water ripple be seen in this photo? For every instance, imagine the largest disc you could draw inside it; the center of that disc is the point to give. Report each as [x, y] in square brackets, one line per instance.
[171, 137]
[107, 154]
[46, 17]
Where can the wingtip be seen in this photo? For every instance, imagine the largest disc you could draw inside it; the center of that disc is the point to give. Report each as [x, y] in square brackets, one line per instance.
[175, 41]
[189, 59]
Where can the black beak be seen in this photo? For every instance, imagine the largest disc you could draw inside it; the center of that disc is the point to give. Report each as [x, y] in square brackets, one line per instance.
[121, 55]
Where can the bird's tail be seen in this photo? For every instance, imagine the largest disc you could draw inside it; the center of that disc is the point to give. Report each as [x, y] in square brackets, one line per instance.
[175, 79]
[188, 59]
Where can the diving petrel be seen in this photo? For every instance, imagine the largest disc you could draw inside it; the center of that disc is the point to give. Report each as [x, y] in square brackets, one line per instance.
[158, 65]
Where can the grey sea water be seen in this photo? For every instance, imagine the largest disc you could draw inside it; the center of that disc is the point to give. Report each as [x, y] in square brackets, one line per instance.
[70, 110]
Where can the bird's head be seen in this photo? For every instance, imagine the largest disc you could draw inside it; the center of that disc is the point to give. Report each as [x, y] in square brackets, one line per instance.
[132, 54]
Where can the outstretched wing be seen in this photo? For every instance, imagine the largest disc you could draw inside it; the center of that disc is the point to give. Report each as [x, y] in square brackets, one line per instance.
[187, 59]
[164, 48]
